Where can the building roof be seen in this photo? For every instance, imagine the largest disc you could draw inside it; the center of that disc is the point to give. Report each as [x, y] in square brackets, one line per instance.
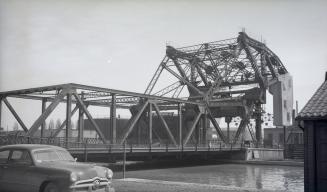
[316, 108]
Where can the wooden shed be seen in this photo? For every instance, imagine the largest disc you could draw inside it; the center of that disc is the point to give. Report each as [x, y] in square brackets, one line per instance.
[313, 119]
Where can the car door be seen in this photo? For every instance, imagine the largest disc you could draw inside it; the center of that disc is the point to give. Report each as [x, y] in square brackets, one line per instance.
[18, 171]
[4, 156]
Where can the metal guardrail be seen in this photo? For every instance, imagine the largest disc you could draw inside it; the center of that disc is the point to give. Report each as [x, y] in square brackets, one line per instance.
[93, 144]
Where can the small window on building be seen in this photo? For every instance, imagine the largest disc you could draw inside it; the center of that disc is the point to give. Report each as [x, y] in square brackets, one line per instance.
[285, 104]
[288, 116]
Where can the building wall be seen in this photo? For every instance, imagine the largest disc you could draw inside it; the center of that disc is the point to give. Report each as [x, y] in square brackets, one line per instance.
[282, 91]
[315, 156]
[274, 137]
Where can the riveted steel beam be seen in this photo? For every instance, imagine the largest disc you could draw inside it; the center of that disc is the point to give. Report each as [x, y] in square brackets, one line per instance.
[180, 69]
[113, 124]
[33, 90]
[47, 112]
[183, 80]
[80, 120]
[245, 120]
[204, 79]
[22, 93]
[43, 107]
[240, 129]
[216, 126]
[156, 76]
[89, 116]
[63, 124]
[180, 125]
[150, 124]
[171, 136]
[270, 66]
[244, 44]
[12, 110]
[133, 121]
[68, 116]
[189, 134]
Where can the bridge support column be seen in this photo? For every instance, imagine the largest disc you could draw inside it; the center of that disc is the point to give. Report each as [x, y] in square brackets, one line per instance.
[81, 122]
[198, 132]
[204, 128]
[180, 125]
[44, 105]
[139, 134]
[68, 117]
[258, 130]
[150, 125]
[113, 121]
[228, 120]
[0, 112]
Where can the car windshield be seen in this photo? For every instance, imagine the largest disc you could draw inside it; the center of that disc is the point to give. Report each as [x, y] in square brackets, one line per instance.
[52, 155]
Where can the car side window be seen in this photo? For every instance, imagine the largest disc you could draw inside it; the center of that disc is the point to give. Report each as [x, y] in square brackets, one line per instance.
[4, 156]
[20, 157]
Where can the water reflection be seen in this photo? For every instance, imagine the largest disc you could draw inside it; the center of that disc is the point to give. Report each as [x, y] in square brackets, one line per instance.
[281, 178]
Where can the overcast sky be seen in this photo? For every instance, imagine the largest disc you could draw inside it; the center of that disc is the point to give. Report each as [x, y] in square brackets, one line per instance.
[119, 44]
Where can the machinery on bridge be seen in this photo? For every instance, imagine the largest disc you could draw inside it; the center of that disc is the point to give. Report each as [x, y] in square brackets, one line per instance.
[230, 78]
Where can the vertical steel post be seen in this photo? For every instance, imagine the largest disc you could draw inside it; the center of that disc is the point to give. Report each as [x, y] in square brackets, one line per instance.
[180, 125]
[124, 161]
[139, 132]
[0, 112]
[150, 126]
[85, 150]
[113, 121]
[228, 120]
[198, 133]
[81, 122]
[44, 105]
[228, 137]
[204, 127]
[284, 141]
[68, 117]
[258, 124]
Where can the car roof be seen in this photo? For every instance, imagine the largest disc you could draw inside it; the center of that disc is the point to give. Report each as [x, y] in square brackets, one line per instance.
[30, 147]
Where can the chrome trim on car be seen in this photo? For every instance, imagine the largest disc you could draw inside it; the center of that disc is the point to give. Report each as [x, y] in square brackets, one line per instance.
[91, 184]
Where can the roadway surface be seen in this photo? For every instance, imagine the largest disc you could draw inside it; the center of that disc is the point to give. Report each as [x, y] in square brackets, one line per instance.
[143, 185]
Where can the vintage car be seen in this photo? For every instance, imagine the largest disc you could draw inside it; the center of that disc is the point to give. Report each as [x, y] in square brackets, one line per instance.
[45, 168]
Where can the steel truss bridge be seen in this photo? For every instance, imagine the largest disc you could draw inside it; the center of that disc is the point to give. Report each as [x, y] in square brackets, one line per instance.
[199, 83]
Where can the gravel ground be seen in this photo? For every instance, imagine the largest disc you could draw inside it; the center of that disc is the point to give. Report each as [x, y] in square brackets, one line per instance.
[143, 185]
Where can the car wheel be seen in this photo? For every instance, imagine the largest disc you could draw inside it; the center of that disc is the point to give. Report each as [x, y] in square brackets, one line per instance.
[50, 187]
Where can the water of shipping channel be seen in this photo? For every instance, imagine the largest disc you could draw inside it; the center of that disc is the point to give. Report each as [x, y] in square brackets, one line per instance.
[261, 177]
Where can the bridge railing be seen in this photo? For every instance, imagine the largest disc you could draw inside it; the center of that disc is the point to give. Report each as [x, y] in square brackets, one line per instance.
[130, 146]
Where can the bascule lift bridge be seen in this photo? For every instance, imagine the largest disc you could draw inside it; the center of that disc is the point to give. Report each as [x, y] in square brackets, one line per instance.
[198, 84]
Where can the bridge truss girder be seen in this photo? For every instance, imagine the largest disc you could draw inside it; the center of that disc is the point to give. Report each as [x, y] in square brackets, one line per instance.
[79, 97]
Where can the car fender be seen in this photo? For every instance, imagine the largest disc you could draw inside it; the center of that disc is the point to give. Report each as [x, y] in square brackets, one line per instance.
[45, 175]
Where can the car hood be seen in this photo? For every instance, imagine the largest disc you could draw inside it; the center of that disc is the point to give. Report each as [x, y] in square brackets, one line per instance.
[83, 170]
